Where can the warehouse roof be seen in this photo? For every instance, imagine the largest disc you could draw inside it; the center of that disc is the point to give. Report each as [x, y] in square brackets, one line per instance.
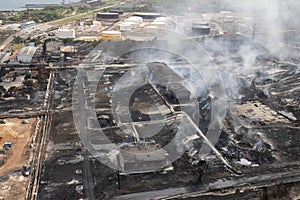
[28, 51]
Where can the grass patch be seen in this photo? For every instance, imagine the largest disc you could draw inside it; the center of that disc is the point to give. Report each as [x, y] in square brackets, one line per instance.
[17, 47]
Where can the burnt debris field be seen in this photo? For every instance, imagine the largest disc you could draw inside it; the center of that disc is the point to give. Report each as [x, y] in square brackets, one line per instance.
[255, 156]
[200, 100]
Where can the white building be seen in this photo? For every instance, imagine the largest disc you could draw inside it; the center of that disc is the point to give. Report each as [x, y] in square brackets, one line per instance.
[66, 33]
[26, 54]
[28, 24]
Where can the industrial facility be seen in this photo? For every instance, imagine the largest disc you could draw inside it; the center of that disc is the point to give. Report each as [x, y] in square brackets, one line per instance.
[148, 16]
[109, 15]
[66, 33]
[112, 35]
[28, 24]
[117, 100]
[26, 54]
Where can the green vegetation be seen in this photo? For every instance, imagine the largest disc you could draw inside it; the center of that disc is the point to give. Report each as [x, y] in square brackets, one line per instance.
[115, 1]
[19, 41]
[169, 6]
[4, 34]
[45, 15]
[76, 17]
[166, 6]
[17, 47]
[71, 19]
[63, 15]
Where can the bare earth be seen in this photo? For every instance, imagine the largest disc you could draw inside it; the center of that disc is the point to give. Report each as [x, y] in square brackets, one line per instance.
[20, 134]
[13, 184]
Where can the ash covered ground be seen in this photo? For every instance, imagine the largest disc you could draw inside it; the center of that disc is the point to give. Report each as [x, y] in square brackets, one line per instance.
[22, 89]
[206, 108]
[259, 137]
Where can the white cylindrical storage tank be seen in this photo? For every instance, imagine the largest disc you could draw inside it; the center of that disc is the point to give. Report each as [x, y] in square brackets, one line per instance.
[160, 25]
[136, 23]
[132, 24]
[162, 19]
[151, 29]
[111, 35]
[125, 27]
[136, 19]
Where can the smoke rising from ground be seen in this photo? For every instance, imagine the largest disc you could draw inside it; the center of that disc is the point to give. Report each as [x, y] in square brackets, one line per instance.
[275, 21]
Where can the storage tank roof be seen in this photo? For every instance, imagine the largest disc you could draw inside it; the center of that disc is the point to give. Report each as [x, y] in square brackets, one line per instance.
[108, 13]
[111, 32]
[162, 19]
[129, 23]
[158, 23]
[151, 27]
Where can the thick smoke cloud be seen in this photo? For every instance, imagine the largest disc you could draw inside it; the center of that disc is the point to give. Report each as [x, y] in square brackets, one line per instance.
[275, 21]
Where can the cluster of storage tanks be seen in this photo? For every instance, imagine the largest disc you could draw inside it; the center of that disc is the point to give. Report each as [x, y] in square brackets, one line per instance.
[136, 22]
[90, 26]
[131, 23]
[146, 22]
